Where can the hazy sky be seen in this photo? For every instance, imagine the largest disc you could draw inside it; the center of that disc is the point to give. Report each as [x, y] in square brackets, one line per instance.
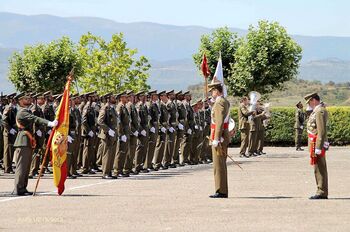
[306, 17]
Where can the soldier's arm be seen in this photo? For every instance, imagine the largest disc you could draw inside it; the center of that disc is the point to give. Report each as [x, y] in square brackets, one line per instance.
[84, 123]
[219, 113]
[321, 129]
[101, 119]
[5, 119]
[120, 121]
[246, 112]
[35, 119]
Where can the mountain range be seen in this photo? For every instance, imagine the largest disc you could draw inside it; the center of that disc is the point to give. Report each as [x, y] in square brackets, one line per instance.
[168, 47]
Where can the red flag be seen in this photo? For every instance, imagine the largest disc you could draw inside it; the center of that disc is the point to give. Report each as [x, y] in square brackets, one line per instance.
[59, 141]
[204, 67]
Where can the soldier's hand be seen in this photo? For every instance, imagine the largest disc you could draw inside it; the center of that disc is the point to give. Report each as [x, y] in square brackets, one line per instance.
[181, 127]
[70, 139]
[136, 133]
[111, 132]
[13, 131]
[152, 130]
[318, 151]
[39, 133]
[301, 127]
[143, 133]
[91, 134]
[171, 129]
[54, 123]
[163, 129]
[189, 131]
[215, 143]
[123, 138]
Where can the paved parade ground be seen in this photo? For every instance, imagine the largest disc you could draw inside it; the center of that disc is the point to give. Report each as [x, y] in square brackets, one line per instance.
[271, 194]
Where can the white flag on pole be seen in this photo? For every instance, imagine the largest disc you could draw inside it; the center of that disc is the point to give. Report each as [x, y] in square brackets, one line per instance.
[219, 75]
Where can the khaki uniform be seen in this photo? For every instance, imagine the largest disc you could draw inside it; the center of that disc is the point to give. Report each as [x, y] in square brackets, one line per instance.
[142, 145]
[196, 139]
[154, 113]
[186, 145]
[298, 126]
[49, 114]
[9, 122]
[171, 135]
[134, 127]
[253, 133]
[122, 147]
[107, 121]
[24, 150]
[243, 114]
[201, 154]
[219, 114]
[317, 125]
[162, 136]
[39, 134]
[78, 139]
[182, 119]
[81, 145]
[260, 133]
[71, 152]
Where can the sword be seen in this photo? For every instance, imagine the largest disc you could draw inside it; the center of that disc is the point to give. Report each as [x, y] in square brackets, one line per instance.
[222, 150]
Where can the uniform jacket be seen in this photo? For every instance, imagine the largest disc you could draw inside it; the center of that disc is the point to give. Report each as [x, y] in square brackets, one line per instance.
[317, 125]
[220, 111]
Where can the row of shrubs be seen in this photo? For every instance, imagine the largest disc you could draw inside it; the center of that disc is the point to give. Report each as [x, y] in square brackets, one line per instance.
[280, 130]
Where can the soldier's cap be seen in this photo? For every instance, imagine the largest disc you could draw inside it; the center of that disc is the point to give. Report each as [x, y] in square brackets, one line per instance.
[194, 104]
[90, 93]
[162, 93]
[178, 93]
[187, 93]
[21, 95]
[199, 101]
[205, 99]
[55, 96]
[47, 93]
[122, 94]
[299, 103]
[214, 84]
[139, 93]
[310, 96]
[75, 95]
[12, 95]
[129, 92]
[106, 95]
[152, 92]
[58, 97]
[171, 92]
[39, 95]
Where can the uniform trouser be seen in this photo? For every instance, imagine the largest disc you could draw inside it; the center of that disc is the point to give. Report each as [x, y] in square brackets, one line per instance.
[201, 145]
[96, 142]
[169, 148]
[321, 176]
[129, 163]
[194, 154]
[160, 149]
[72, 157]
[151, 148]
[261, 139]
[252, 144]
[298, 136]
[99, 153]
[8, 151]
[35, 162]
[1, 144]
[88, 153]
[23, 157]
[76, 154]
[81, 151]
[120, 158]
[204, 151]
[141, 152]
[178, 140]
[185, 148]
[220, 169]
[244, 141]
[107, 155]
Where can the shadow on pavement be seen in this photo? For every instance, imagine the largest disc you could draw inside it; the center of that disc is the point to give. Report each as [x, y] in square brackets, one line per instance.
[266, 198]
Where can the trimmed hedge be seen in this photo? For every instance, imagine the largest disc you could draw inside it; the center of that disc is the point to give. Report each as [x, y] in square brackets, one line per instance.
[281, 126]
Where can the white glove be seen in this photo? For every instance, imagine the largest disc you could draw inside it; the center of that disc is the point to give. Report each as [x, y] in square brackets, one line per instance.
[52, 124]
[189, 131]
[221, 140]
[136, 133]
[70, 139]
[143, 133]
[181, 127]
[318, 151]
[163, 129]
[91, 134]
[301, 127]
[215, 143]
[196, 127]
[13, 131]
[39, 133]
[123, 138]
[171, 129]
[49, 132]
[153, 130]
[111, 132]
[200, 128]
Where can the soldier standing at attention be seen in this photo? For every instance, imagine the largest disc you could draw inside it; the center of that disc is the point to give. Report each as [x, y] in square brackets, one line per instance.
[134, 134]
[317, 133]
[142, 145]
[171, 133]
[154, 112]
[220, 138]
[124, 136]
[107, 120]
[181, 119]
[71, 140]
[25, 143]
[243, 114]
[9, 132]
[299, 125]
[189, 128]
[162, 136]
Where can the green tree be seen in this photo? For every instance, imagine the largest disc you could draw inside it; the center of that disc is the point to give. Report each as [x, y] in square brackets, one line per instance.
[111, 66]
[264, 60]
[221, 40]
[44, 66]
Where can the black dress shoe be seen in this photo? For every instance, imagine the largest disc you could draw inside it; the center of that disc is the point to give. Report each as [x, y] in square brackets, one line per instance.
[107, 177]
[123, 175]
[92, 172]
[247, 155]
[181, 164]
[25, 194]
[263, 153]
[144, 171]
[71, 177]
[134, 173]
[163, 167]
[77, 174]
[172, 166]
[156, 169]
[10, 172]
[218, 195]
[318, 197]
[85, 172]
